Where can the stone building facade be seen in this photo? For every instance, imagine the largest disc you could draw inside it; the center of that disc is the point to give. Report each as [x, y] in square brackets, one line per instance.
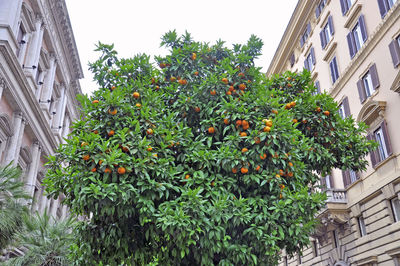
[352, 49]
[39, 80]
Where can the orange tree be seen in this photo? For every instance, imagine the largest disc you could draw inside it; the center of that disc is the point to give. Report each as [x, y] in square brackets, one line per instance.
[199, 160]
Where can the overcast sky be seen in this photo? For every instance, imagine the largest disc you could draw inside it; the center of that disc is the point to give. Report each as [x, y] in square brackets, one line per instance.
[137, 26]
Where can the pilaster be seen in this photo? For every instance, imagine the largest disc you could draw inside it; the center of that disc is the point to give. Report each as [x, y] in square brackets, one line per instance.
[32, 174]
[15, 142]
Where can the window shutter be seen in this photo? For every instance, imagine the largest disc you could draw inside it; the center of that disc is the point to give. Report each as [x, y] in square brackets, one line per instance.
[330, 23]
[308, 29]
[395, 52]
[332, 71]
[361, 91]
[387, 138]
[361, 22]
[382, 7]
[292, 59]
[346, 107]
[374, 76]
[351, 43]
[312, 55]
[343, 5]
[317, 12]
[318, 87]
[306, 66]
[323, 38]
[301, 41]
[373, 153]
[336, 69]
[346, 178]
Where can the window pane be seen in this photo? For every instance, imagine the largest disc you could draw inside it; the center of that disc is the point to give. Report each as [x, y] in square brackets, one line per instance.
[341, 111]
[327, 32]
[358, 36]
[369, 89]
[396, 209]
[353, 176]
[361, 225]
[381, 141]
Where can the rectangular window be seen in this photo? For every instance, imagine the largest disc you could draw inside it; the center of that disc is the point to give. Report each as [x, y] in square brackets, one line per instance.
[394, 48]
[357, 36]
[305, 35]
[334, 70]
[353, 176]
[292, 60]
[395, 203]
[361, 226]
[368, 83]
[380, 138]
[345, 5]
[309, 62]
[319, 8]
[349, 177]
[327, 32]
[318, 88]
[20, 40]
[385, 6]
[344, 108]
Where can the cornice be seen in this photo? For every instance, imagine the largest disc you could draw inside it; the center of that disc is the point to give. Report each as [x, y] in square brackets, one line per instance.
[368, 47]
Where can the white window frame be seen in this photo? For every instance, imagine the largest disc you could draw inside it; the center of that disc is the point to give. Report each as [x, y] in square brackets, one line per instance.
[358, 39]
[334, 79]
[361, 226]
[380, 138]
[353, 176]
[310, 61]
[395, 204]
[327, 32]
[367, 81]
[341, 111]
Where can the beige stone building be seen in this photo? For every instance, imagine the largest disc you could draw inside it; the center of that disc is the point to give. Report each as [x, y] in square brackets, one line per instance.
[39, 80]
[352, 49]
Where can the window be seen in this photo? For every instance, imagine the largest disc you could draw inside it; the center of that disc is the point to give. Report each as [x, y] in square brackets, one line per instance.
[395, 203]
[344, 108]
[334, 70]
[318, 88]
[394, 48]
[20, 40]
[327, 32]
[326, 182]
[368, 83]
[309, 62]
[384, 150]
[385, 6]
[319, 8]
[361, 226]
[357, 36]
[345, 5]
[305, 35]
[314, 248]
[349, 177]
[335, 239]
[292, 60]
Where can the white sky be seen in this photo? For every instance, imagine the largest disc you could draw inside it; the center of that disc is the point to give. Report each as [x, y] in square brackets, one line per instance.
[136, 26]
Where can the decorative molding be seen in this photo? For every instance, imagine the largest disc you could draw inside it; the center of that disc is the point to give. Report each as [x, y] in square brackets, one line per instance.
[25, 154]
[6, 125]
[371, 260]
[396, 84]
[371, 111]
[355, 12]
[330, 52]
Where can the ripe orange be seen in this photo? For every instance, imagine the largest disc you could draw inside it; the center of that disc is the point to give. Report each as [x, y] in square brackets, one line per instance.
[288, 106]
[111, 133]
[93, 169]
[263, 156]
[244, 170]
[225, 80]
[121, 170]
[211, 130]
[245, 124]
[290, 174]
[281, 172]
[257, 140]
[136, 95]
[326, 113]
[282, 186]
[293, 104]
[290, 164]
[226, 121]
[213, 92]
[268, 122]
[149, 148]
[267, 129]
[228, 93]
[196, 73]
[245, 150]
[212, 183]
[318, 109]
[274, 111]
[125, 149]
[95, 101]
[153, 80]
[242, 86]
[294, 120]
[138, 105]
[194, 56]
[197, 109]
[149, 131]
[243, 134]
[172, 79]
[187, 176]
[241, 74]
[231, 88]
[95, 131]
[107, 170]
[112, 111]
[234, 170]
[86, 157]
[157, 88]
[238, 122]
[162, 65]
[84, 144]
[258, 168]
[113, 88]
[280, 196]
[277, 176]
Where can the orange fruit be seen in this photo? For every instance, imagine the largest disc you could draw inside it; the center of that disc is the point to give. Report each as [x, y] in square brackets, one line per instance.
[107, 170]
[125, 149]
[121, 170]
[245, 150]
[234, 170]
[112, 111]
[226, 121]
[326, 113]
[242, 86]
[95, 101]
[277, 176]
[225, 80]
[267, 129]
[162, 65]
[231, 88]
[187, 176]
[243, 134]
[211, 130]
[111, 133]
[153, 80]
[149, 131]
[245, 124]
[138, 105]
[194, 56]
[157, 88]
[290, 164]
[93, 169]
[196, 73]
[258, 168]
[149, 148]
[84, 144]
[197, 109]
[172, 79]
[95, 131]
[282, 186]
[228, 93]
[280, 196]
[288, 106]
[274, 111]
[113, 88]
[281, 172]
[241, 74]
[268, 123]
[318, 109]
[136, 95]
[244, 170]
[86, 157]
[294, 120]
[238, 122]
[212, 183]
[257, 140]
[263, 156]
[290, 174]
[213, 92]
[100, 162]
[293, 104]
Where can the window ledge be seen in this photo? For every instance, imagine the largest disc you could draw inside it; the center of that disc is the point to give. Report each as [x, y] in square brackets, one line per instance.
[378, 165]
[353, 14]
[329, 51]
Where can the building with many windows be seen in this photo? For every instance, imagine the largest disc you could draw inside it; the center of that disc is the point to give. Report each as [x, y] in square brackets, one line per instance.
[39, 80]
[352, 49]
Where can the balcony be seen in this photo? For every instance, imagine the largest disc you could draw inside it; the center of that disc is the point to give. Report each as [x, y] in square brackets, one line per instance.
[336, 195]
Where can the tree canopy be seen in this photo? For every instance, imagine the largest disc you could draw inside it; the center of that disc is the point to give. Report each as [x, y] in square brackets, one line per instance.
[199, 158]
